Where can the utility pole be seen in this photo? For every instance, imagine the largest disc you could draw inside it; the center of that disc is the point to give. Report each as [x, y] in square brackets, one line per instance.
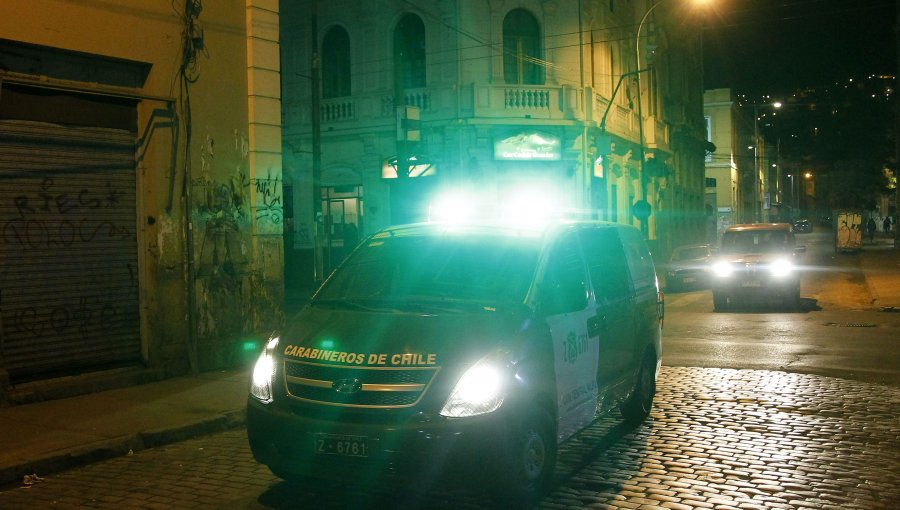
[319, 262]
[400, 186]
[897, 142]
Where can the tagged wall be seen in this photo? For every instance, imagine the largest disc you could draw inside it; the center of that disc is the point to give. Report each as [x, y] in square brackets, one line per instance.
[203, 91]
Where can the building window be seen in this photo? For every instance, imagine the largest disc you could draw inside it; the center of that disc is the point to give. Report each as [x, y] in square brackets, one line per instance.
[709, 155]
[409, 52]
[522, 49]
[336, 63]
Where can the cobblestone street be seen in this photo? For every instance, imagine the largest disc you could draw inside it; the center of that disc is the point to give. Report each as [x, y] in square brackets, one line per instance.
[717, 439]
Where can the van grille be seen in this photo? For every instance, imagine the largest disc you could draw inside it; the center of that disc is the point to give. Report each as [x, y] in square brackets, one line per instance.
[353, 386]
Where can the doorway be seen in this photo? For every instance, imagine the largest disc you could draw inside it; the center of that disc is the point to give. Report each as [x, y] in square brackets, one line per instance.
[342, 208]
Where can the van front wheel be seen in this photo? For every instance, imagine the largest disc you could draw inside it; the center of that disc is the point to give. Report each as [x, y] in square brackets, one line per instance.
[527, 464]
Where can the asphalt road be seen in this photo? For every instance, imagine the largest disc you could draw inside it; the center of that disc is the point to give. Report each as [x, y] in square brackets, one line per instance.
[836, 333]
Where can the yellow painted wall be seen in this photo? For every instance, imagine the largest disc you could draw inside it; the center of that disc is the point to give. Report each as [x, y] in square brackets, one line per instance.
[233, 162]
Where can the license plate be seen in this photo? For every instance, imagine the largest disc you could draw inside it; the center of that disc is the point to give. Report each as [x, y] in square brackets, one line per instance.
[750, 283]
[690, 280]
[348, 446]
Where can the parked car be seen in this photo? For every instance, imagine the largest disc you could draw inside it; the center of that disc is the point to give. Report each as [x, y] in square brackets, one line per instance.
[471, 350]
[689, 266]
[757, 261]
[803, 226]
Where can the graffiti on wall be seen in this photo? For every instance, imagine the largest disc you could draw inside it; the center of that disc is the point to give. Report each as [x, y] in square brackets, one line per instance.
[228, 287]
[221, 212]
[71, 241]
[269, 206]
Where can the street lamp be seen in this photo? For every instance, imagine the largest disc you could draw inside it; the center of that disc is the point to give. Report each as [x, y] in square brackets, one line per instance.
[637, 73]
[793, 203]
[807, 176]
[757, 164]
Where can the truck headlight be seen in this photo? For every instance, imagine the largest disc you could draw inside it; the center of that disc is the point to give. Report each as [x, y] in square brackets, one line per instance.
[722, 269]
[263, 373]
[480, 390]
[781, 268]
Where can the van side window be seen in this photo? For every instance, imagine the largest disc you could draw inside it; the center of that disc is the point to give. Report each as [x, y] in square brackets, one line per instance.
[565, 290]
[639, 261]
[606, 263]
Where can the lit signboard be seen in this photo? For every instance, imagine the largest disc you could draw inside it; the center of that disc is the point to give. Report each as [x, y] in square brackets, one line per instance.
[528, 147]
[417, 168]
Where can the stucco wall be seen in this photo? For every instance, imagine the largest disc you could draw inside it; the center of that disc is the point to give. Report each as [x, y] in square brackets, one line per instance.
[219, 123]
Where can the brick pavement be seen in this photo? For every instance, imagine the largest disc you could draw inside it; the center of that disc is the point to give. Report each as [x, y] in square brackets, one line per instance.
[717, 439]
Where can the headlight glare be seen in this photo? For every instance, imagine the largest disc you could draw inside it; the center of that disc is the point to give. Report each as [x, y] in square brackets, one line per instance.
[263, 373]
[781, 267]
[480, 390]
[722, 269]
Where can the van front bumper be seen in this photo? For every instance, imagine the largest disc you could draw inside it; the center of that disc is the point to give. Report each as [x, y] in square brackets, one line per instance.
[291, 444]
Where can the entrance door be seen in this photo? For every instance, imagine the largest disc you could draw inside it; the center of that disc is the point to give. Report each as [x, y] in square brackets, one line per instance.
[342, 207]
[68, 249]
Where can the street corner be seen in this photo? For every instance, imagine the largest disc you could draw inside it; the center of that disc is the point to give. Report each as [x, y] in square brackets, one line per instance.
[743, 439]
[882, 270]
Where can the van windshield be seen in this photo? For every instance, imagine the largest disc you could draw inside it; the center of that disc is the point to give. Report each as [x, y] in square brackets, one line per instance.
[446, 271]
[756, 241]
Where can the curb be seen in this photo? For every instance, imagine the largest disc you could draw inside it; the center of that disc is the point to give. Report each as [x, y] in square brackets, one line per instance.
[120, 446]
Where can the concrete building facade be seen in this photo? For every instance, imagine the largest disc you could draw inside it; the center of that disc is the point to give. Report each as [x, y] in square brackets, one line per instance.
[722, 163]
[744, 164]
[508, 94]
[140, 185]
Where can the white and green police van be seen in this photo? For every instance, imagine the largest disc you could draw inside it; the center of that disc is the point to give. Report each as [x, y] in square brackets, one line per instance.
[469, 350]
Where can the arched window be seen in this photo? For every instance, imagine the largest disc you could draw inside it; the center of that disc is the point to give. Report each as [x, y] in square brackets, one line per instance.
[409, 52]
[522, 49]
[335, 63]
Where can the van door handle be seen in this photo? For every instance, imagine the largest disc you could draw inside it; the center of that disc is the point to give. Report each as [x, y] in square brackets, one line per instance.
[595, 325]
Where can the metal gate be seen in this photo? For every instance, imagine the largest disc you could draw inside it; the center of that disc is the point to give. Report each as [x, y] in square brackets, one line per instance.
[68, 249]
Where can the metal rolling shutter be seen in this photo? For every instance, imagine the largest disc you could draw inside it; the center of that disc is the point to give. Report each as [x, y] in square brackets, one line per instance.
[68, 249]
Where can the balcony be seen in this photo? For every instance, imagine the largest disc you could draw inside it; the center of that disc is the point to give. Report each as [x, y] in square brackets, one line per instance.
[563, 104]
[514, 101]
[620, 121]
[370, 107]
[656, 134]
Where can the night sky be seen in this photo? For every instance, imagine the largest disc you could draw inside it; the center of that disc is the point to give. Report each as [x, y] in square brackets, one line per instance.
[776, 46]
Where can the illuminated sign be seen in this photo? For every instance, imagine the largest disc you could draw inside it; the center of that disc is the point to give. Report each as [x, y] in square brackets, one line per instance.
[528, 147]
[417, 168]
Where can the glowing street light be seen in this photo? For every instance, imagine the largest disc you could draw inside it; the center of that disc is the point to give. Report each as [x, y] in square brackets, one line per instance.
[638, 70]
[757, 165]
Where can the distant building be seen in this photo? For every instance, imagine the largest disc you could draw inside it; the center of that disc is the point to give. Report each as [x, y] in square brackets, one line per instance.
[722, 164]
[503, 99]
[745, 161]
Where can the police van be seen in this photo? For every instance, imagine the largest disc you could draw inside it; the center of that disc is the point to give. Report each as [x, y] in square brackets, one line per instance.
[470, 350]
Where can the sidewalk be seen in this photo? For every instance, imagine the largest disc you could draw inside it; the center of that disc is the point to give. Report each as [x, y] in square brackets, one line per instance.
[48, 436]
[880, 263]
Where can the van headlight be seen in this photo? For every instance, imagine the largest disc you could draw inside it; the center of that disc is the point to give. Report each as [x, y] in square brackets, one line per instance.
[480, 390]
[263, 373]
[781, 268]
[722, 269]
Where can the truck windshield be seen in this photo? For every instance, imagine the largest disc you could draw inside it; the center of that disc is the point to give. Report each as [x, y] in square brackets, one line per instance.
[756, 241]
[407, 272]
